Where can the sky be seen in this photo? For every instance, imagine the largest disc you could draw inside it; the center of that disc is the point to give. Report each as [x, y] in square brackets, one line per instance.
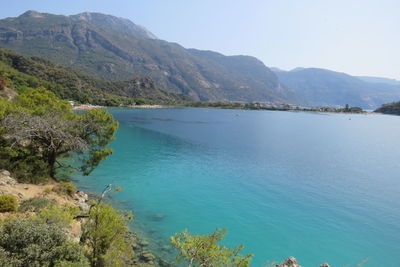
[358, 37]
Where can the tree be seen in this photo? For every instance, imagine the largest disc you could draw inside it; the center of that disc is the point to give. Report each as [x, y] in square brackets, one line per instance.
[49, 134]
[46, 125]
[205, 251]
[105, 234]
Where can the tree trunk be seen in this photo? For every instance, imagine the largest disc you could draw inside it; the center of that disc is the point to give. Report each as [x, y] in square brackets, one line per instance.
[51, 160]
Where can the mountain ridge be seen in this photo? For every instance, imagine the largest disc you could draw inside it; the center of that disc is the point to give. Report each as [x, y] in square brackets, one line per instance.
[326, 87]
[116, 49]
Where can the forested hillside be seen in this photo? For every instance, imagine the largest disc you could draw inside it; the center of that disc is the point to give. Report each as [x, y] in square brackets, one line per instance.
[20, 72]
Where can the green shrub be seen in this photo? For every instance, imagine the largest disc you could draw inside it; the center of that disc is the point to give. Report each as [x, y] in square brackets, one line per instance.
[65, 188]
[61, 216]
[8, 203]
[23, 163]
[28, 242]
[35, 204]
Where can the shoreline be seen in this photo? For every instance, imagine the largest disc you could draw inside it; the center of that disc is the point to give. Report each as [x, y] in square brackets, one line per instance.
[322, 110]
[145, 248]
[232, 108]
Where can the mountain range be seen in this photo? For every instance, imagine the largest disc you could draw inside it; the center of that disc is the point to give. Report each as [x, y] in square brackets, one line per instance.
[329, 88]
[116, 49]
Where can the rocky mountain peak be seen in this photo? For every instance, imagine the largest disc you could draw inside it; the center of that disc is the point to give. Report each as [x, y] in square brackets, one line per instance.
[32, 14]
[114, 23]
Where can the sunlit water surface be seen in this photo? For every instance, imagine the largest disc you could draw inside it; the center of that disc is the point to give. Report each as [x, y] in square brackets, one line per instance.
[320, 187]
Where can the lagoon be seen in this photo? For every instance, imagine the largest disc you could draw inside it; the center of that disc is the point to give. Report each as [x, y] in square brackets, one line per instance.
[319, 187]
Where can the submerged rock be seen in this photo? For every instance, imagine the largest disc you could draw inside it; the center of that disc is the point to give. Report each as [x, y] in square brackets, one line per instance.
[147, 256]
[143, 243]
[157, 217]
[324, 265]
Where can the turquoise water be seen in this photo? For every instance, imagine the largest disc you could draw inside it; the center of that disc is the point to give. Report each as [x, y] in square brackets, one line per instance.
[319, 187]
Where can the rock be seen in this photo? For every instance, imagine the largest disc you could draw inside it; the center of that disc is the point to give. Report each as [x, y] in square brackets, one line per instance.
[143, 243]
[83, 195]
[84, 207]
[5, 173]
[166, 248]
[289, 262]
[5, 179]
[157, 217]
[20, 195]
[147, 256]
[324, 265]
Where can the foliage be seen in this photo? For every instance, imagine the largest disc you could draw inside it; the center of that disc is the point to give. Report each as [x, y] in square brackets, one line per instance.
[4, 106]
[40, 102]
[21, 73]
[66, 188]
[61, 216]
[8, 203]
[35, 204]
[28, 242]
[205, 251]
[104, 233]
[41, 129]
[2, 83]
[259, 106]
[389, 108]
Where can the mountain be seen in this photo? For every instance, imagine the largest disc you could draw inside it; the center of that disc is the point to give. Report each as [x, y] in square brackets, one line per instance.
[21, 72]
[321, 87]
[117, 49]
[379, 80]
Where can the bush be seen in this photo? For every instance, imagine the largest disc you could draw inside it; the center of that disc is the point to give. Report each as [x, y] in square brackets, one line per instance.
[65, 188]
[60, 216]
[26, 166]
[8, 203]
[28, 242]
[35, 204]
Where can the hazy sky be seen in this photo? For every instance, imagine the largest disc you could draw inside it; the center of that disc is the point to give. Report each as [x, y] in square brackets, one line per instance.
[359, 37]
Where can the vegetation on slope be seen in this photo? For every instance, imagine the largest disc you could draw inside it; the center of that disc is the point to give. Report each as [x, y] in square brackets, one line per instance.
[259, 106]
[20, 73]
[389, 108]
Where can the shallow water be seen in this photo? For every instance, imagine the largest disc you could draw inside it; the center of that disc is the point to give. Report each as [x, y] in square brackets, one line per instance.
[320, 187]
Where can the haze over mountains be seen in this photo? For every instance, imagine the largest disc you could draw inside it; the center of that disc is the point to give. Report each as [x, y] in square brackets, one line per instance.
[330, 88]
[114, 48]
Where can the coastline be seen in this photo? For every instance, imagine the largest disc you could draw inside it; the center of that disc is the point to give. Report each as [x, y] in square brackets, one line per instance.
[322, 110]
[146, 253]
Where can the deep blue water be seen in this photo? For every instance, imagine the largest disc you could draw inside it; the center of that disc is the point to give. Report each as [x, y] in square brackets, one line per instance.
[319, 187]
